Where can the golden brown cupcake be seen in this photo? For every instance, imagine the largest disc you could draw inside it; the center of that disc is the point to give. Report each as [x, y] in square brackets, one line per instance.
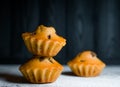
[41, 70]
[44, 41]
[86, 64]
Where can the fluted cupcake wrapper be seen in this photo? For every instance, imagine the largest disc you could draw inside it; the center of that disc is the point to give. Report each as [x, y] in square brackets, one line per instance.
[42, 47]
[86, 70]
[41, 76]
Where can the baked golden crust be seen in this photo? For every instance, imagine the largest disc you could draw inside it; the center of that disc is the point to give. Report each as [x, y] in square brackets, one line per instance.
[41, 70]
[44, 41]
[86, 64]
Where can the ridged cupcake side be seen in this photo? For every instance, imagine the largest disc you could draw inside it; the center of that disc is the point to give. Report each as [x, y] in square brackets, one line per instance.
[42, 47]
[86, 70]
[41, 76]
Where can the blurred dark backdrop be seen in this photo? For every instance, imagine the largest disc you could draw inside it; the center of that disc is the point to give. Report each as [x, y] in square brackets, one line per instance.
[86, 24]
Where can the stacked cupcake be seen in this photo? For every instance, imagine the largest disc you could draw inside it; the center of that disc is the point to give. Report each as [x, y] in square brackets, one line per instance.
[44, 44]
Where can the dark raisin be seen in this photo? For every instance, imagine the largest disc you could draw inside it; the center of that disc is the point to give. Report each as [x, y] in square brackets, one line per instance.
[49, 36]
[50, 60]
[41, 58]
[82, 60]
[93, 54]
[34, 33]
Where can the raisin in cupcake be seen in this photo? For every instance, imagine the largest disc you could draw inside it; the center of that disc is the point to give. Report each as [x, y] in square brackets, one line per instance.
[41, 70]
[86, 64]
[43, 41]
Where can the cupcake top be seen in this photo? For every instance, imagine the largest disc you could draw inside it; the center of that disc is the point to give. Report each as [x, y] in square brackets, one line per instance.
[42, 63]
[46, 33]
[86, 57]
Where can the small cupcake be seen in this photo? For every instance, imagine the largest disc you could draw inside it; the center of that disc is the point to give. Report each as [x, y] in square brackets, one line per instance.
[44, 41]
[41, 70]
[86, 64]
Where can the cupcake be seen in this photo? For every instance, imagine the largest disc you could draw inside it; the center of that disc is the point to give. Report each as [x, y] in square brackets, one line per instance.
[41, 70]
[43, 41]
[86, 64]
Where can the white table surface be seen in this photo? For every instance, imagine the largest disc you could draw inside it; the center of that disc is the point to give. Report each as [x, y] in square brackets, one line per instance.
[110, 77]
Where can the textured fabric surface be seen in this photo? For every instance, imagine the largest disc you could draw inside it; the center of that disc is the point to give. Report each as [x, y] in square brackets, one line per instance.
[110, 77]
[86, 24]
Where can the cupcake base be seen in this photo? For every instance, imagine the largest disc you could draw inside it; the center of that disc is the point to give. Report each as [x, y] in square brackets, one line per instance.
[41, 71]
[86, 70]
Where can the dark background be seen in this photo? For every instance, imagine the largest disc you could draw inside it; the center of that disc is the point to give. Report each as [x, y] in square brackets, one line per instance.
[86, 24]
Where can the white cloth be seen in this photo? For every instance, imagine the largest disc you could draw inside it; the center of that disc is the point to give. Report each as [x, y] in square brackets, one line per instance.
[110, 77]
